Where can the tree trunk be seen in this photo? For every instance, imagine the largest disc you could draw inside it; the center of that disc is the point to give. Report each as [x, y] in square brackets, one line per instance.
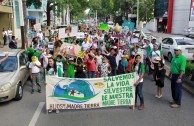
[48, 14]
[66, 16]
[25, 22]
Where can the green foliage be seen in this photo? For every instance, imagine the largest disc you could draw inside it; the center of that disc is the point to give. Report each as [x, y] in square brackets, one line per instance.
[189, 67]
[146, 6]
[36, 3]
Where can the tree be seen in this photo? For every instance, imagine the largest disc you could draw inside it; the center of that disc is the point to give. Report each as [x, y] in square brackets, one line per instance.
[105, 7]
[75, 6]
[146, 12]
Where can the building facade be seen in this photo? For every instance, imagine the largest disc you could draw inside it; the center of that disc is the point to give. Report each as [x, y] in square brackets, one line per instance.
[6, 16]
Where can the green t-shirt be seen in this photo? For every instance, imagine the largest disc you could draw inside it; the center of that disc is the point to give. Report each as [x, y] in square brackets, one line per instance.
[178, 64]
[70, 70]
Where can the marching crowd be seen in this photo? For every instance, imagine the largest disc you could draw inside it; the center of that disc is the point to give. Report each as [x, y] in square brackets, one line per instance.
[102, 55]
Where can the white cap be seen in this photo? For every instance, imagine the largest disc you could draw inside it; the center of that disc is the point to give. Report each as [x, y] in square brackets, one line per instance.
[177, 48]
[153, 38]
[71, 59]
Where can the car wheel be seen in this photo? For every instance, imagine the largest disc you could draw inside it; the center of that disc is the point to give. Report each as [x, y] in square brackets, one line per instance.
[169, 57]
[19, 93]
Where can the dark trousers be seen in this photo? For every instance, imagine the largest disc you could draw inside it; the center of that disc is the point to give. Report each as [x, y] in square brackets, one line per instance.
[113, 72]
[176, 89]
[5, 40]
[138, 92]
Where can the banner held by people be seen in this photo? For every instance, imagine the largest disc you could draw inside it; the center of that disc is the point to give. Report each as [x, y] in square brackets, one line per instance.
[71, 93]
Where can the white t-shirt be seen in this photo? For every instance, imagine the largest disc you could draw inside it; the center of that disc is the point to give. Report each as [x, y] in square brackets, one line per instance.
[34, 68]
[119, 57]
[40, 35]
[156, 54]
[137, 77]
[98, 60]
[9, 32]
[85, 45]
[4, 33]
[60, 65]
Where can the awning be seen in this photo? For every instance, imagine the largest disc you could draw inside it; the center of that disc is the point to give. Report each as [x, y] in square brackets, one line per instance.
[30, 18]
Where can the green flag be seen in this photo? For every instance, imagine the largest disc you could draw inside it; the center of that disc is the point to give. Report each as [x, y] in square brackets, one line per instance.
[103, 27]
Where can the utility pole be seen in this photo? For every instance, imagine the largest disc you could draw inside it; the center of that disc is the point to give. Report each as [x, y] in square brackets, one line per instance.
[146, 12]
[137, 23]
[96, 18]
[22, 24]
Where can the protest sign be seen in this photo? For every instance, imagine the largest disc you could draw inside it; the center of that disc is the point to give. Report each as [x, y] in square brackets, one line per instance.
[62, 33]
[72, 93]
[131, 25]
[70, 49]
[80, 35]
[134, 40]
[118, 35]
[68, 32]
[103, 27]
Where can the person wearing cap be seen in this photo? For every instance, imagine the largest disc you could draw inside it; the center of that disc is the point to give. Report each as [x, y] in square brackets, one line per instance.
[177, 71]
[35, 67]
[71, 68]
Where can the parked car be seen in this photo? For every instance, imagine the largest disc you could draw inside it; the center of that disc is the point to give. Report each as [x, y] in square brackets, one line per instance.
[186, 44]
[187, 31]
[191, 32]
[13, 75]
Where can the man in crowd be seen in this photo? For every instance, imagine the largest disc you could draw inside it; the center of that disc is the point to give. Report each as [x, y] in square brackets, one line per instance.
[177, 71]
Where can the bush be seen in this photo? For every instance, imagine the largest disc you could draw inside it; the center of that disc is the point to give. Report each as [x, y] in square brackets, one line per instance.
[189, 68]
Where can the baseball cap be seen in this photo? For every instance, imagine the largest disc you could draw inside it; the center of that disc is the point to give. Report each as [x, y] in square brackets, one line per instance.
[177, 48]
[71, 59]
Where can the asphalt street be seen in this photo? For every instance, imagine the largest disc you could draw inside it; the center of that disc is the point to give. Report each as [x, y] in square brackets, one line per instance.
[156, 113]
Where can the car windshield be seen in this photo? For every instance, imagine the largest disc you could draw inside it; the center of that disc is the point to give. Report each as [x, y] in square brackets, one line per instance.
[10, 64]
[184, 41]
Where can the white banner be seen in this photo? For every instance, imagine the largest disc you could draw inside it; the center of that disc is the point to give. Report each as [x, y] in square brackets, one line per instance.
[71, 93]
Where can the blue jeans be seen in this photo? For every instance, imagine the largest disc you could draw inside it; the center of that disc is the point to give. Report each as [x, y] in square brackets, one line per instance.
[138, 92]
[91, 74]
[176, 89]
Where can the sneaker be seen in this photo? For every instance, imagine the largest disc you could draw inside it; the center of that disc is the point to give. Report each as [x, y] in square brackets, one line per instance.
[32, 92]
[172, 102]
[50, 110]
[175, 106]
[160, 96]
[156, 96]
[57, 111]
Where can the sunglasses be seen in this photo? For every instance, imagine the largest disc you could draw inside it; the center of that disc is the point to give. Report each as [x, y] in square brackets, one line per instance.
[176, 50]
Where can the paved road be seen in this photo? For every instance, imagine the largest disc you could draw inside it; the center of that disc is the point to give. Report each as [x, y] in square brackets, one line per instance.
[156, 113]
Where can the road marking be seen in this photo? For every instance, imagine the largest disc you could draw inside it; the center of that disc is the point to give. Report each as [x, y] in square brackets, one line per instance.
[36, 114]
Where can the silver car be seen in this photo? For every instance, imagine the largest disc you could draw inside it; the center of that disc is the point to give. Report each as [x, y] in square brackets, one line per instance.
[13, 75]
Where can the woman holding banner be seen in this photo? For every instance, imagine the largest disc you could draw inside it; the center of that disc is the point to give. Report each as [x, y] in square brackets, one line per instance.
[139, 68]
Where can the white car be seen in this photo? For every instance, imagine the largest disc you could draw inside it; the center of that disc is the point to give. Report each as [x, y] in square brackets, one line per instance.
[186, 44]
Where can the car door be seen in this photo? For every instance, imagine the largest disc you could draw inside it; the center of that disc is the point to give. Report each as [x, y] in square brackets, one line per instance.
[165, 46]
[170, 46]
[23, 71]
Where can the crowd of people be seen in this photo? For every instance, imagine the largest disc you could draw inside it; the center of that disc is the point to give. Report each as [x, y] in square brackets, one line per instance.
[103, 56]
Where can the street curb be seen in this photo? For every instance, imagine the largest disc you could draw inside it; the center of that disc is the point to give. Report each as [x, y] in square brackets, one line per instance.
[186, 86]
